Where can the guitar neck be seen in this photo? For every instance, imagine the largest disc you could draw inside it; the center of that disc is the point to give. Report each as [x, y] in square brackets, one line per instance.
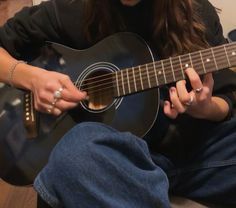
[157, 73]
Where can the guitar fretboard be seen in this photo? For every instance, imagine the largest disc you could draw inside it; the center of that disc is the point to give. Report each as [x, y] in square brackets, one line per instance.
[154, 74]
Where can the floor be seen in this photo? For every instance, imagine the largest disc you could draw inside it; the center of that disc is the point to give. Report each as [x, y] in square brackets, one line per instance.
[16, 197]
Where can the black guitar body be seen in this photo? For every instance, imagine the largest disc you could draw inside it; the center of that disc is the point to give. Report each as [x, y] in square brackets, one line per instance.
[21, 158]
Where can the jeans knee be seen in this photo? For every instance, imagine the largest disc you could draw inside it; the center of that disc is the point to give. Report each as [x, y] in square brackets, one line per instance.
[77, 140]
[92, 144]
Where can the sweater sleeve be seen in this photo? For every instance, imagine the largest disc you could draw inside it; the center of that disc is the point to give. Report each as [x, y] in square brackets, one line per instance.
[224, 80]
[23, 34]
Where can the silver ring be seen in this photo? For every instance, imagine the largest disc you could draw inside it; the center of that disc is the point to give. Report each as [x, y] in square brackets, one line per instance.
[190, 102]
[54, 102]
[49, 110]
[57, 93]
[198, 90]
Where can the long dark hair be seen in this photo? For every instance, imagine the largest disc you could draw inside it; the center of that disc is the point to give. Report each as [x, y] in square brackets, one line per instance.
[176, 27]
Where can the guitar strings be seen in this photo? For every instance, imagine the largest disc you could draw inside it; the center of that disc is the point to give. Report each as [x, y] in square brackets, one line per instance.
[208, 50]
[154, 63]
[146, 68]
[138, 79]
[130, 82]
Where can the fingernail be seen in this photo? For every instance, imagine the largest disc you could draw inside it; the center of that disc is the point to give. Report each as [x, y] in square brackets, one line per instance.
[172, 90]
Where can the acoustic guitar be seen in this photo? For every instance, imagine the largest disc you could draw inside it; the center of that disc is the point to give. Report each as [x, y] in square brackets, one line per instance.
[122, 80]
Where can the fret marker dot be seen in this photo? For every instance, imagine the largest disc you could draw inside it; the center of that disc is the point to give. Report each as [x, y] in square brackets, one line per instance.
[159, 72]
[208, 60]
[234, 53]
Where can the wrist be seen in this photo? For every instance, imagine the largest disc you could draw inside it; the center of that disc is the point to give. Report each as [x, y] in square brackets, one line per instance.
[24, 76]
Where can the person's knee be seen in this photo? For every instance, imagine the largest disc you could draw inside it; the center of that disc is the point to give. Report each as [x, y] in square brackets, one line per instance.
[75, 143]
[88, 143]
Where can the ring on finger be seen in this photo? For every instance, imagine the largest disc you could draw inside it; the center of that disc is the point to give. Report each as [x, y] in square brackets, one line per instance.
[50, 108]
[190, 102]
[57, 93]
[54, 102]
[198, 90]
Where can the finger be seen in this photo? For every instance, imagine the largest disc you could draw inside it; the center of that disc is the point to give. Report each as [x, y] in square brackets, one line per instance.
[184, 95]
[53, 111]
[208, 81]
[56, 112]
[169, 110]
[175, 101]
[65, 105]
[71, 92]
[194, 78]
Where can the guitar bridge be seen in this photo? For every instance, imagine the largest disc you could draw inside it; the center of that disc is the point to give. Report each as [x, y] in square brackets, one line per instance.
[30, 116]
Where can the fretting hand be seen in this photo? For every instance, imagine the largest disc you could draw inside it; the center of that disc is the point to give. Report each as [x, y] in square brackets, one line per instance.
[199, 102]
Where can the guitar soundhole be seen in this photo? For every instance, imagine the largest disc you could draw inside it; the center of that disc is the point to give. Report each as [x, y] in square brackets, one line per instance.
[99, 87]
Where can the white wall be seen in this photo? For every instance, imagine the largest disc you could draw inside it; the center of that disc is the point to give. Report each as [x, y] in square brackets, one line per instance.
[227, 15]
[37, 1]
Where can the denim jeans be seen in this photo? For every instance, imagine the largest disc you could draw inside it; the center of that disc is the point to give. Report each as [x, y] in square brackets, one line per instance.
[94, 165]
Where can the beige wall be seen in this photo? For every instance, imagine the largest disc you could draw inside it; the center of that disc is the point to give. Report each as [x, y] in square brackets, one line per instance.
[228, 14]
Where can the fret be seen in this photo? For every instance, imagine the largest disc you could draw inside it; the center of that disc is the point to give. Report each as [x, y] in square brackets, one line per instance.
[221, 57]
[163, 71]
[197, 63]
[168, 70]
[135, 86]
[137, 79]
[173, 73]
[160, 73]
[155, 69]
[127, 74]
[214, 58]
[117, 84]
[191, 61]
[177, 68]
[148, 76]
[204, 69]
[141, 79]
[231, 53]
[181, 66]
[122, 82]
[208, 60]
[186, 63]
[227, 55]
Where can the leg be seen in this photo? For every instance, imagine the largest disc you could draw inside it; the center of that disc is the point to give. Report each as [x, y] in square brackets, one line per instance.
[96, 166]
[209, 175]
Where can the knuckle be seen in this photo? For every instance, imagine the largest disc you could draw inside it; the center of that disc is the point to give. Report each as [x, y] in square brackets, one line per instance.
[48, 85]
[65, 78]
[42, 95]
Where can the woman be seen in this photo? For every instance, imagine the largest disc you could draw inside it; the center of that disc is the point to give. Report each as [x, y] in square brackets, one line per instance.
[94, 165]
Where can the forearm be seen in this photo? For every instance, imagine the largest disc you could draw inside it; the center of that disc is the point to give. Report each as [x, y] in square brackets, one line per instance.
[20, 76]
